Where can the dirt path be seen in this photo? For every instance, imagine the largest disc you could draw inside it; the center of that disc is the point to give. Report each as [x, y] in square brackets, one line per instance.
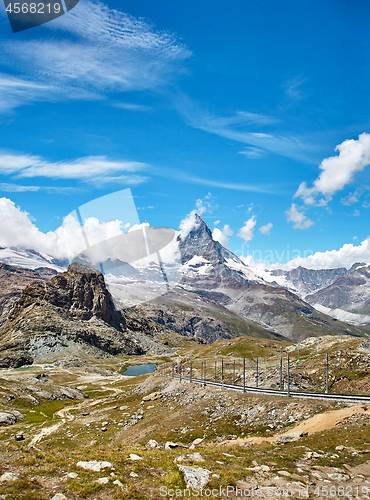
[66, 416]
[317, 423]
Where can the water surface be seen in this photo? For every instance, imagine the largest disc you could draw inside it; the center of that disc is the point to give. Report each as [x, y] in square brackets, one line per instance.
[135, 370]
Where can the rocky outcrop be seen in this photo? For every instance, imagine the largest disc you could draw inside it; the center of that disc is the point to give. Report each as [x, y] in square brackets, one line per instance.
[71, 315]
[13, 280]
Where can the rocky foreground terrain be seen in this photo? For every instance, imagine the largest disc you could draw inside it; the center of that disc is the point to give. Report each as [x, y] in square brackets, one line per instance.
[72, 430]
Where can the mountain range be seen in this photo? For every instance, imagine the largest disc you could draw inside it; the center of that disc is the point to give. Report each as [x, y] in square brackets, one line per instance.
[215, 295]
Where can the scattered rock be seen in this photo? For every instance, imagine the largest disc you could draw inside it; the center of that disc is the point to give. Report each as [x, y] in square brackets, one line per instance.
[103, 429]
[7, 418]
[133, 474]
[59, 496]
[195, 457]
[197, 441]
[8, 476]
[85, 413]
[94, 465]
[72, 475]
[152, 443]
[195, 477]
[133, 456]
[169, 445]
[339, 448]
[259, 468]
[337, 476]
[122, 408]
[284, 473]
[288, 438]
[153, 396]
[104, 424]
[118, 483]
[19, 437]
[103, 480]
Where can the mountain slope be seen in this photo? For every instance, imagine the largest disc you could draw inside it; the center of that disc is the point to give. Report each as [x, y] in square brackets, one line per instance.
[350, 293]
[73, 314]
[213, 272]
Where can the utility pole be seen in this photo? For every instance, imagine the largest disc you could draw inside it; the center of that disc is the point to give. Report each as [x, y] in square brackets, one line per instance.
[327, 373]
[222, 372]
[257, 372]
[281, 371]
[215, 370]
[205, 374]
[243, 374]
[234, 373]
[318, 345]
[180, 371]
[288, 374]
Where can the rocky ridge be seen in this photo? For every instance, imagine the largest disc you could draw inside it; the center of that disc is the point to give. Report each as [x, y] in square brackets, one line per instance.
[73, 314]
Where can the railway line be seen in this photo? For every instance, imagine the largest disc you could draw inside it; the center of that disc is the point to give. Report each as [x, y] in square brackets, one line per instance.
[355, 398]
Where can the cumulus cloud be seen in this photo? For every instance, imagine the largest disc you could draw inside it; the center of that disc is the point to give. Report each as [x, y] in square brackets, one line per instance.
[222, 235]
[346, 256]
[18, 229]
[295, 214]
[266, 228]
[337, 171]
[246, 232]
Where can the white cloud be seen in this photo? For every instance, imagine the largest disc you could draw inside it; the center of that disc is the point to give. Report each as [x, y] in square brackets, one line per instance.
[91, 168]
[216, 222]
[252, 152]
[96, 50]
[337, 171]
[351, 198]
[346, 256]
[206, 204]
[246, 232]
[244, 127]
[188, 224]
[356, 213]
[222, 235]
[295, 214]
[266, 228]
[18, 188]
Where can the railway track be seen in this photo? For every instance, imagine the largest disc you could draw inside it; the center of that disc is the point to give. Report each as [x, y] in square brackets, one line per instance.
[273, 392]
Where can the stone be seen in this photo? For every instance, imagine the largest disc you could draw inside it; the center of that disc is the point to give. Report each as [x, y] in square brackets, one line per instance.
[133, 474]
[94, 465]
[8, 476]
[122, 408]
[195, 457]
[153, 396]
[133, 456]
[197, 441]
[339, 448]
[195, 477]
[103, 480]
[287, 438]
[169, 445]
[104, 424]
[103, 429]
[259, 468]
[337, 476]
[7, 418]
[59, 496]
[19, 437]
[72, 475]
[152, 443]
[117, 482]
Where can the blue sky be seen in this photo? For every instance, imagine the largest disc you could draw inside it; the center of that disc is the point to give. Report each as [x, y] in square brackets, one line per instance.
[227, 107]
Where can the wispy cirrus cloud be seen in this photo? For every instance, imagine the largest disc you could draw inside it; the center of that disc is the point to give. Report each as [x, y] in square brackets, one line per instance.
[18, 188]
[92, 51]
[93, 169]
[245, 127]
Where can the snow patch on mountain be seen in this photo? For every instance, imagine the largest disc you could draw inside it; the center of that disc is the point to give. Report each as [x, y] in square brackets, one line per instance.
[348, 317]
